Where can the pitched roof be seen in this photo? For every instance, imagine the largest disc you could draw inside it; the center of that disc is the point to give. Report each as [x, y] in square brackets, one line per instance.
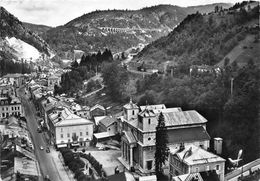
[183, 118]
[152, 107]
[17, 75]
[193, 155]
[97, 106]
[103, 135]
[107, 121]
[67, 118]
[129, 136]
[190, 134]
[98, 118]
[147, 113]
[131, 105]
[188, 177]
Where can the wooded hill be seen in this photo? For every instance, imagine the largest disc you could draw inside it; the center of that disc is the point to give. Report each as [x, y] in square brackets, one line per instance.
[119, 30]
[202, 39]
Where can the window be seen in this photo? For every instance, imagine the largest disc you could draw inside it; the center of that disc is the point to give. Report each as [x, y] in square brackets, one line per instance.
[3, 108]
[217, 167]
[61, 135]
[149, 139]
[18, 108]
[87, 133]
[176, 173]
[80, 133]
[149, 121]
[207, 168]
[197, 170]
[12, 108]
[133, 112]
[68, 135]
[15, 108]
[61, 130]
[6, 108]
[3, 115]
[149, 164]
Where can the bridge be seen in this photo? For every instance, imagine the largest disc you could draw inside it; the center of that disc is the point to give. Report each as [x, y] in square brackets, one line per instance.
[244, 170]
[127, 30]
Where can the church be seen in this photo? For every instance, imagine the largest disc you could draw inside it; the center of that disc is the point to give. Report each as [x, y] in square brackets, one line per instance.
[138, 127]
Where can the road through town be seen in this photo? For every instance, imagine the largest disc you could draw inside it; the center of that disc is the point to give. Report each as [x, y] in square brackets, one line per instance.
[46, 161]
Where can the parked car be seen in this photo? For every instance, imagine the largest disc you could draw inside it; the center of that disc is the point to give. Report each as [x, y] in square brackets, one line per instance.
[47, 150]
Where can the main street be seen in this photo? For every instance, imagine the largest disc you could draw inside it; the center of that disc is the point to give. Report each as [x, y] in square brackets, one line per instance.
[46, 160]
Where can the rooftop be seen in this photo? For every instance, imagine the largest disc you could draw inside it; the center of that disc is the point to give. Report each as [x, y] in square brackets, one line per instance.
[97, 106]
[190, 134]
[107, 121]
[131, 105]
[183, 118]
[13, 75]
[129, 136]
[26, 167]
[193, 155]
[103, 135]
[66, 118]
[152, 107]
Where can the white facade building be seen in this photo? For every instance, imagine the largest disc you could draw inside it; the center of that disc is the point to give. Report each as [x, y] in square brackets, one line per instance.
[69, 129]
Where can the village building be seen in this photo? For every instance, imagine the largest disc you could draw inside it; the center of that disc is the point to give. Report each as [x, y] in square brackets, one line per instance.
[54, 80]
[108, 124]
[189, 159]
[6, 89]
[97, 110]
[68, 129]
[107, 128]
[10, 105]
[82, 111]
[15, 79]
[139, 129]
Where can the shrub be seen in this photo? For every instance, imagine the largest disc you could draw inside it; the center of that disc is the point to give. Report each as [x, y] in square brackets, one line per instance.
[97, 166]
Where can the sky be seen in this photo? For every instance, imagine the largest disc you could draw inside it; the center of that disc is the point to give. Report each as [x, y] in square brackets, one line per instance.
[58, 12]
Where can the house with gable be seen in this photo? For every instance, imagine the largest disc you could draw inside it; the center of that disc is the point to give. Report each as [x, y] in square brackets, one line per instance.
[68, 129]
[191, 159]
[138, 126]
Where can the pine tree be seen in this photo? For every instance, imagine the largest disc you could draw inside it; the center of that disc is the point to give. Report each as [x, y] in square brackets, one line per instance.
[161, 149]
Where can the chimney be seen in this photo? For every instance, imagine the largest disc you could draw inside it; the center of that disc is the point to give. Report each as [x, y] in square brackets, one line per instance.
[182, 147]
[218, 145]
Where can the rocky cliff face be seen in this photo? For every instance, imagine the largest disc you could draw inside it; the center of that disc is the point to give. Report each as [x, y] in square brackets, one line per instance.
[10, 26]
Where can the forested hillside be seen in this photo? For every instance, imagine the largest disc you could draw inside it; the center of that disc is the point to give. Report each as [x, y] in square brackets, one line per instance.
[228, 98]
[202, 39]
[119, 30]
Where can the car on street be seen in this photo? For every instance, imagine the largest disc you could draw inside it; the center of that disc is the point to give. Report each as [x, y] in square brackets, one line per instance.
[41, 148]
[47, 150]
[47, 178]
